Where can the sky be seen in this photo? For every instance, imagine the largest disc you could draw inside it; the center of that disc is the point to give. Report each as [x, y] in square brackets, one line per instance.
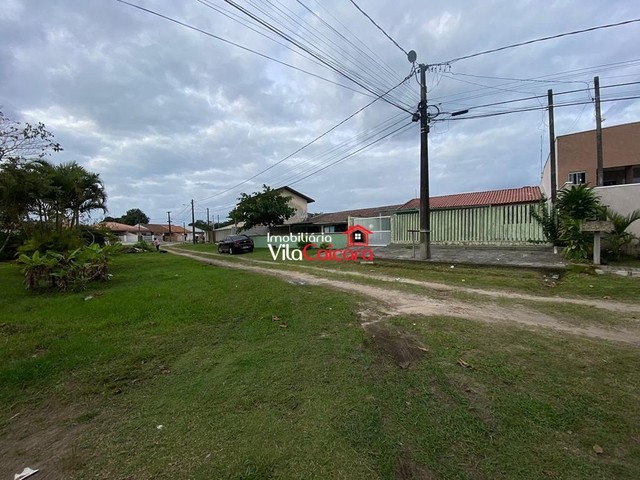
[166, 114]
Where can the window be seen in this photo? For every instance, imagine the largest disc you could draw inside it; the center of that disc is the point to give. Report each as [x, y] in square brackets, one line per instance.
[577, 178]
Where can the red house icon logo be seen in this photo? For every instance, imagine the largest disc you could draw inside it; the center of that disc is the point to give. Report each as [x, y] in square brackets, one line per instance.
[357, 236]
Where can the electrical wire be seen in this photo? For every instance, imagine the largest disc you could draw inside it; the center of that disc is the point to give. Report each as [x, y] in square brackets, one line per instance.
[379, 28]
[209, 34]
[312, 52]
[531, 109]
[542, 39]
[308, 143]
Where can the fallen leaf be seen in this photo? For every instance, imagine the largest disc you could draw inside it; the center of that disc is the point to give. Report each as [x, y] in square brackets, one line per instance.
[598, 449]
[464, 364]
[283, 325]
[424, 349]
[607, 297]
[275, 318]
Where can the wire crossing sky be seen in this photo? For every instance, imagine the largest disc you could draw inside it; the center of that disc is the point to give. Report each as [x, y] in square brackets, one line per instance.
[207, 99]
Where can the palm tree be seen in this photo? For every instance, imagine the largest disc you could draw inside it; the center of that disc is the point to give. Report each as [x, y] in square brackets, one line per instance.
[619, 237]
[579, 202]
[78, 192]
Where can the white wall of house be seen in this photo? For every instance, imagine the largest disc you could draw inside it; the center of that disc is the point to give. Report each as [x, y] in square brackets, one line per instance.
[622, 199]
[300, 206]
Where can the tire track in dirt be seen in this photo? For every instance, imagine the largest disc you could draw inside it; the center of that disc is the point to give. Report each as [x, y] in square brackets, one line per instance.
[394, 302]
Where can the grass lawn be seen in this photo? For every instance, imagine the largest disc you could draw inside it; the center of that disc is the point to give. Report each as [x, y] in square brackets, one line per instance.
[174, 369]
[576, 282]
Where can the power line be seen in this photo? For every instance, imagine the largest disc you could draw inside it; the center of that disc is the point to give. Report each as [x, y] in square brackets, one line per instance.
[311, 52]
[209, 34]
[308, 143]
[537, 97]
[542, 39]
[404, 127]
[531, 109]
[379, 28]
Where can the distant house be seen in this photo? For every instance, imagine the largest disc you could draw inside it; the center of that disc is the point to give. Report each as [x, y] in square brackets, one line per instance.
[125, 233]
[299, 202]
[495, 217]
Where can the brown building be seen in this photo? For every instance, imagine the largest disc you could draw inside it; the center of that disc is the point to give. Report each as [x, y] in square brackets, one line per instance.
[576, 157]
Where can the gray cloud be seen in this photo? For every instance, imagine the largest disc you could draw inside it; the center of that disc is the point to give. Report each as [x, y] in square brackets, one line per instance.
[165, 114]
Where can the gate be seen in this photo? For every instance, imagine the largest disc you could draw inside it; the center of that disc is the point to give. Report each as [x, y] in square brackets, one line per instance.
[379, 226]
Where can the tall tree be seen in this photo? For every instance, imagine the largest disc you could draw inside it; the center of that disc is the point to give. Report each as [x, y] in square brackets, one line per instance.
[268, 208]
[76, 192]
[133, 217]
[24, 141]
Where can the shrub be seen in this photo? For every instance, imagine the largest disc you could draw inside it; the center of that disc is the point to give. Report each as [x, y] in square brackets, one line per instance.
[52, 240]
[66, 271]
[139, 247]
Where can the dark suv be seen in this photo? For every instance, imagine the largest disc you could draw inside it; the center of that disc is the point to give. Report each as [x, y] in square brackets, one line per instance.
[235, 244]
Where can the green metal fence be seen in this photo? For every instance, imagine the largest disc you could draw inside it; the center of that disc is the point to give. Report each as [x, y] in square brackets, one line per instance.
[490, 225]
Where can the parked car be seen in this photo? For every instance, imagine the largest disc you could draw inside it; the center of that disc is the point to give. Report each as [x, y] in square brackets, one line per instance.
[235, 244]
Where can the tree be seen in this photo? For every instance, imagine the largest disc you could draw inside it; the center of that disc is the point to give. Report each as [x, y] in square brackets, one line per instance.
[547, 216]
[20, 142]
[75, 192]
[619, 237]
[579, 202]
[133, 216]
[202, 225]
[268, 208]
[576, 204]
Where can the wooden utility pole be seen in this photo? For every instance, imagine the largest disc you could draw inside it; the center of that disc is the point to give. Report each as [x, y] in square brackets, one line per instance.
[209, 226]
[169, 220]
[425, 221]
[599, 160]
[552, 148]
[193, 223]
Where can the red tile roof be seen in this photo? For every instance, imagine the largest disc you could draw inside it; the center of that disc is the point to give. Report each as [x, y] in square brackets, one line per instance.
[119, 227]
[478, 199]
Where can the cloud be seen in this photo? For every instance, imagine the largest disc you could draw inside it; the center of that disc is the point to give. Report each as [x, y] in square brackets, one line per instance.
[166, 114]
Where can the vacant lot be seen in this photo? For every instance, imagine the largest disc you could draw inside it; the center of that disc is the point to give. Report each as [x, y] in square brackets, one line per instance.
[176, 369]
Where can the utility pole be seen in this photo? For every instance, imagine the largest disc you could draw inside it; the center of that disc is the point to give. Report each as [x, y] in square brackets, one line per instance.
[169, 220]
[425, 220]
[208, 225]
[599, 161]
[193, 223]
[552, 148]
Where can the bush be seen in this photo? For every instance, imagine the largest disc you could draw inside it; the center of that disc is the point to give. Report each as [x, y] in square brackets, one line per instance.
[52, 240]
[66, 271]
[139, 247]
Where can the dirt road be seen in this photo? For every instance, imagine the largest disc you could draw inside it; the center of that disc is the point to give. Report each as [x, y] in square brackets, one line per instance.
[393, 301]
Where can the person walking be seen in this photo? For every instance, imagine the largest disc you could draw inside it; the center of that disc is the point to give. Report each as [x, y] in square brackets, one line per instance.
[156, 242]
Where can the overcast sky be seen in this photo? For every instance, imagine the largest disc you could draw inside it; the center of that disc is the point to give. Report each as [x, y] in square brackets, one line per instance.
[166, 114]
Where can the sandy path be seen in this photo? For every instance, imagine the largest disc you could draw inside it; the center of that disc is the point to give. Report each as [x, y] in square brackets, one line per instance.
[395, 302]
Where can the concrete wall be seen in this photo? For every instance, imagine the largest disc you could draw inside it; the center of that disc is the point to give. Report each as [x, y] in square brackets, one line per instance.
[622, 199]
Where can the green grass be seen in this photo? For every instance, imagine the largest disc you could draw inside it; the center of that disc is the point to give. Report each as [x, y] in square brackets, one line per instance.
[576, 282]
[196, 349]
